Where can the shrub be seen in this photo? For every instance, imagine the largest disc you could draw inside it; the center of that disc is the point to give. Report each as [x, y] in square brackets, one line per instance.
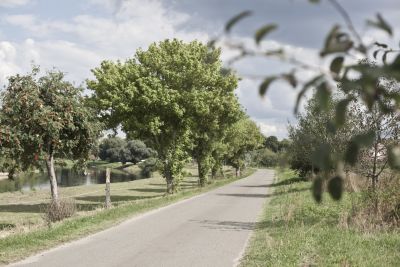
[149, 166]
[380, 208]
[264, 158]
[54, 211]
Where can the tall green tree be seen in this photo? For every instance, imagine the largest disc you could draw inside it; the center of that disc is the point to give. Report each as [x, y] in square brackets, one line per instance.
[373, 159]
[44, 118]
[160, 96]
[242, 137]
[272, 143]
[215, 109]
[311, 135]
[110, 149]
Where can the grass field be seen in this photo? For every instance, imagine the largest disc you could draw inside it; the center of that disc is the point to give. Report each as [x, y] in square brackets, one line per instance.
[295, 231]
[25, 232]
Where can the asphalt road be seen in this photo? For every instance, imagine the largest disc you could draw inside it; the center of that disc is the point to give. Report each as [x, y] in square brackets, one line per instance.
[211, 229]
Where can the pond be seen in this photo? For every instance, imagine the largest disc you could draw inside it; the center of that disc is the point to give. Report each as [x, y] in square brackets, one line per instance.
[65, 178]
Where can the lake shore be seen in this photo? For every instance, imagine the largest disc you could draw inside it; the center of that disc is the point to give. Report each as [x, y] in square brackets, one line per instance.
[3, 175]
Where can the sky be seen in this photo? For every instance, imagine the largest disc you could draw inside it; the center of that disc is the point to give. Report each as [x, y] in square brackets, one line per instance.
[74, 36]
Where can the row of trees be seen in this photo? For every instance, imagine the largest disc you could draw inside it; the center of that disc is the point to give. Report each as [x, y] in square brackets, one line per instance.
[175, 96]
[180, 101]
[272, 143]
[271, 154]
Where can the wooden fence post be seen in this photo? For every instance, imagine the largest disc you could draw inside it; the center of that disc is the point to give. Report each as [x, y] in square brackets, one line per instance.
[108, 197]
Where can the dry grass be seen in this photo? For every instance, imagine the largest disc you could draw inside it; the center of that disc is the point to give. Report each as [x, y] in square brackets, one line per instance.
[376, 210]
[58, 210]
[354, 182]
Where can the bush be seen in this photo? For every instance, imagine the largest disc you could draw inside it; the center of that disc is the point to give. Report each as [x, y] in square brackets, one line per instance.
[54, 211]
[115, 149]
[149, 166]
[264, 158]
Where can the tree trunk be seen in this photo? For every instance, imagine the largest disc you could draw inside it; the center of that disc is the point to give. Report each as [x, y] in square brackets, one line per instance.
[214, 171]
[108, 196]
[222, 171]
[52, 177]
[170, 185]
[202, 174]
[169, 179]
[237, 171]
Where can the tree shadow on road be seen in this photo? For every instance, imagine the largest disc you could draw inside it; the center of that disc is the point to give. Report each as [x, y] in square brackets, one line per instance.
[226, 225]
[264, 195]
[284, 182]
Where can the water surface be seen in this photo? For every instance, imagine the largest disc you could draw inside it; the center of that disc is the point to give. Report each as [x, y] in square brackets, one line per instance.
[65, 178]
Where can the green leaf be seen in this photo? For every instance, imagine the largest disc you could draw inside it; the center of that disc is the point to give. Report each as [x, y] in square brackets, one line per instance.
[323, 95]
[375, 54]
[341, 110]
[366, 139]
[211, 43]
[384, 56]
[277, 52]
[264, 31]
[317, 188]
[381, 45]
[331, 127]
[265, 84]
[321, 157]
[290, 78]
[351, 154]
[336, 42]
[314, 81]
[335, 187]
[358, 141]
[236, 19]
[394, 157]
[314, 1]
[380, 24]
[336, 64]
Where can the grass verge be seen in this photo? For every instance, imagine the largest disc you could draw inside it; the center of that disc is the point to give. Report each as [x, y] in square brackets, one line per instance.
[18, 246]
[296, 231]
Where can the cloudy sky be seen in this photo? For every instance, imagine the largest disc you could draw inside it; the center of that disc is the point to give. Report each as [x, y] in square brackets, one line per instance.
[76, 35]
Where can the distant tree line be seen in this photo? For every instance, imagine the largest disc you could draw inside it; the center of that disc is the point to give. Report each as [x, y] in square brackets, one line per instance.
[272, 153]
[116, 149]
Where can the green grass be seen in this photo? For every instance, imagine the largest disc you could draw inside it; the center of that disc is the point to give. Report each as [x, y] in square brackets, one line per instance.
[149, 195]
[295, 231]
[21, 211]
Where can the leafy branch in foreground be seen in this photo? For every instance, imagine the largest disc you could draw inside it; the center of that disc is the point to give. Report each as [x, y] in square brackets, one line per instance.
[363, 81]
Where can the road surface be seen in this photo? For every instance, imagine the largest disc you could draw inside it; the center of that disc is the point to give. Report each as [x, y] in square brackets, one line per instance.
[211, 229]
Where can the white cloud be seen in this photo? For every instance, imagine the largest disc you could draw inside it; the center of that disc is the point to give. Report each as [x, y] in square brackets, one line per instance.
[80, 43]
[267, 129]
[31, 23]
[8, 65]
[272, 127]
[13, 3]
